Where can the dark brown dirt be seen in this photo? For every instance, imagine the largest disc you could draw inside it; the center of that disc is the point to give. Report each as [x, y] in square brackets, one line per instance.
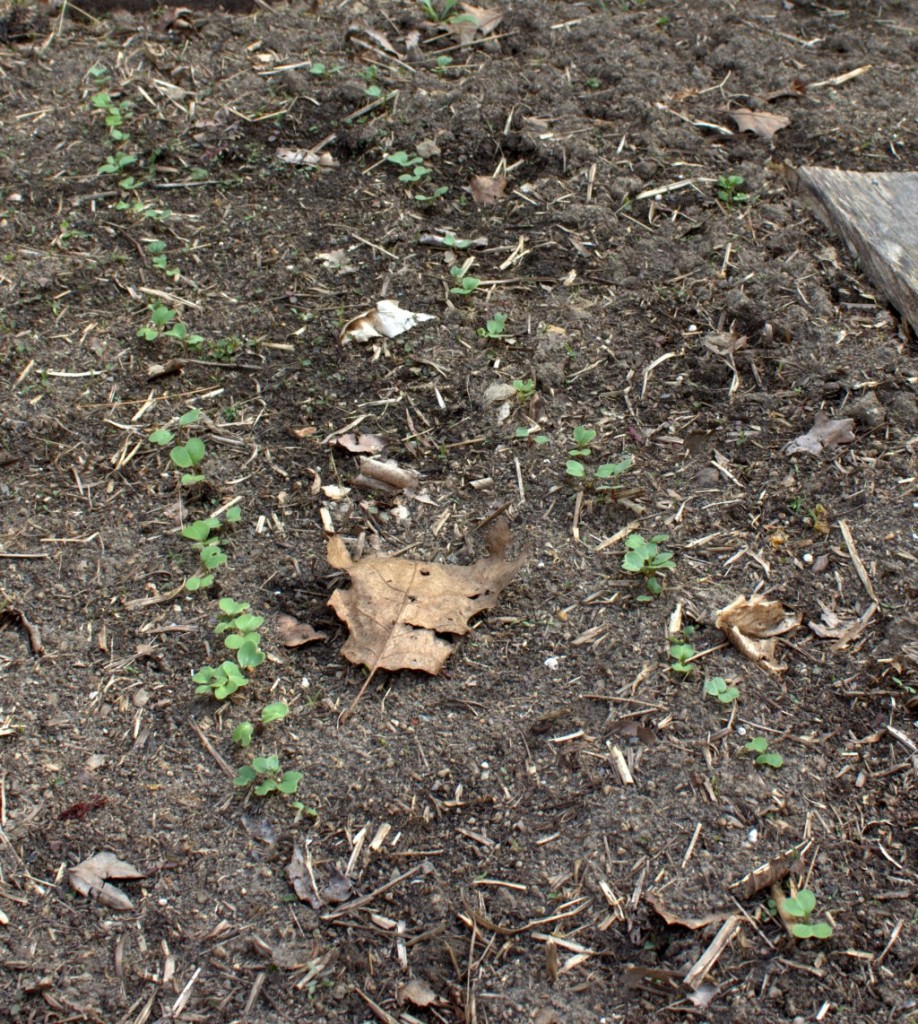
[493, 851]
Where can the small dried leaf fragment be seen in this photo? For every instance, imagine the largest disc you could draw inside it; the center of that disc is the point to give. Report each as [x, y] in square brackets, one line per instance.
[725, 343]
[765, 875]
[399, 611]
[300, 877]
[365, 444]
[307, 158]
[338, 888]
[294, 633]
[474, 21]
[825, 435]
[762, 122]
[672, 917]
[88, 878]
[388, 320]
[418, 993]
[842, 630]
[336, 259]
[486, 191]
[753, 627]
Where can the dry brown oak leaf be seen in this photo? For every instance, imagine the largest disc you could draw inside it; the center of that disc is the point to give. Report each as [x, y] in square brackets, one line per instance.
[400, 612]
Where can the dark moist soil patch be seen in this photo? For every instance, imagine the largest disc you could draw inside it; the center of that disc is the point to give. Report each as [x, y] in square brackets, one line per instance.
[493, 851]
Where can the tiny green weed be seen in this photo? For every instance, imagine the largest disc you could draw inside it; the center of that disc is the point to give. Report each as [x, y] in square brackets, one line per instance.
[157, 249]
[648, 559]
[602, 476]
[205, 535]
[529, 433]
[494, 327]
[465, 284]
[451, 242]
[758, 745]
[681, 658]
[241, 629]
[220, 682]
[245, 731]
[187, 455]
[266, 773]
[717, 687]
[441, 13]
[801, 906]
[728, 189]
[524, 389]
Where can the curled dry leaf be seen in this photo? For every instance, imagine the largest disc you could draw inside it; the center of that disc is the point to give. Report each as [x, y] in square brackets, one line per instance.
[762, 122]
[338, 888]
[365, 444]
[89, 878]
[418, 993]
[672, 917]
[336, 259]
[307, 158]
[753, 627]
[387, 477]
[842, 630]
[725, 343]
[302, 881]
[474, 21]
[399, 612]
[359, 28]
[824, 435]
[486, 191]
[388, 320]
[294, 633]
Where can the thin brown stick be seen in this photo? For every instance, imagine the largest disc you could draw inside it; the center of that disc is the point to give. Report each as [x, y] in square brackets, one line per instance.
[212, 750]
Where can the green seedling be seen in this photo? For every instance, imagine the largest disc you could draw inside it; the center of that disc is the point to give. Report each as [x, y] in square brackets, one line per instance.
[438, 193]
[116, 163]
[415, 175]
[758, 745]
[524, 389]
[802, 906]
[681, 658]
[443, 62]
[146, 211]
[577, 468]
[204, 534]
[243, 734]
[160, 318]
[439, 14]
[717, 687]
[245, 731]
[241, 628]
[265, 772]
[646, 558]
[583, 438]
[115, 114]
[185, 456]
[451, 242]
[403, 160]
[220, 682]
[528, 433]
[157, 249]
[728, 186]
[493, 328]
[464, 285]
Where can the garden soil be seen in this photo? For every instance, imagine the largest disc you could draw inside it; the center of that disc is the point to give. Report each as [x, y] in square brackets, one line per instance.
[563, 824]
